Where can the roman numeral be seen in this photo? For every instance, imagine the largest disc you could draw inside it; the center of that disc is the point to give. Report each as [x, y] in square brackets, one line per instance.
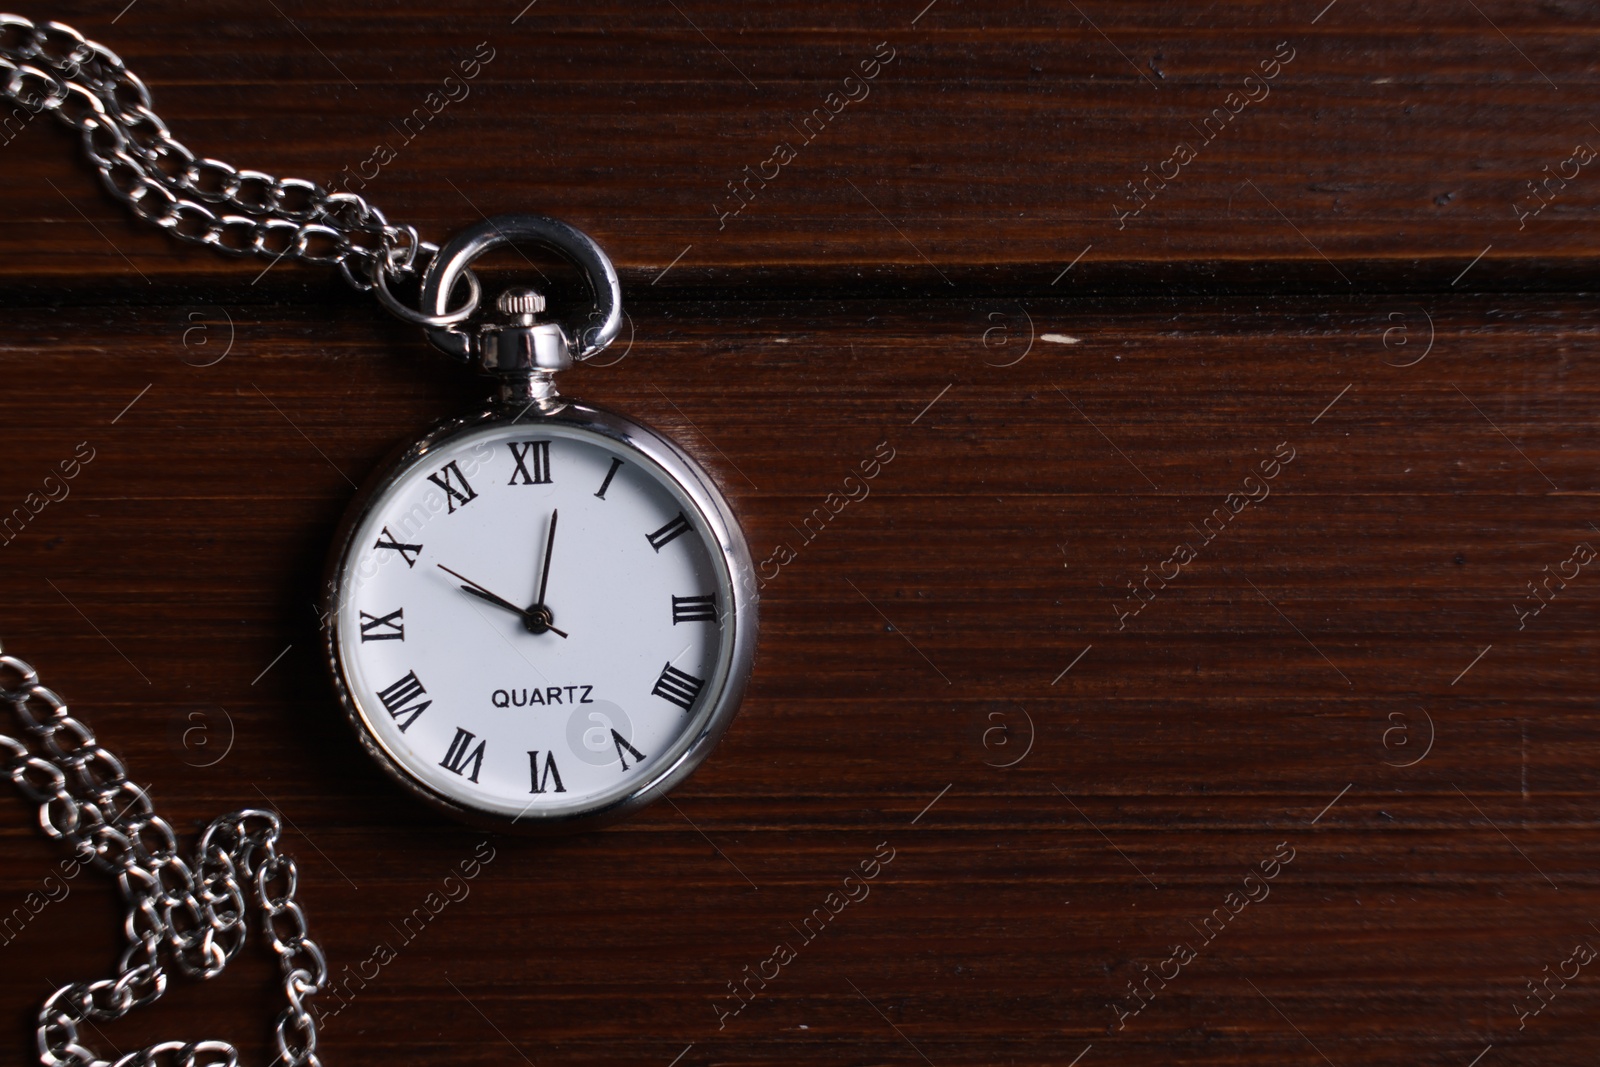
[676, 687]
[391, 627]
[550, 772]
[616, 465]
[460, 751]
[397, 696]
[540, 450]
[451, 474]
[677, 526]
[621, 742]
[694, 609]
[407, 552]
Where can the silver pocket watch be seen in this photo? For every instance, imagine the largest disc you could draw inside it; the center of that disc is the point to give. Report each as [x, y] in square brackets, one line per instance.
[541, 615]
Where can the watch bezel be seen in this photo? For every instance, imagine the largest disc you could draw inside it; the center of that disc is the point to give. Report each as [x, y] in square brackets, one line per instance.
[728, 550]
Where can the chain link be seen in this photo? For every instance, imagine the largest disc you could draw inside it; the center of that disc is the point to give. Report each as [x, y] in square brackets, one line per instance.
[52, 67]
[189, 913]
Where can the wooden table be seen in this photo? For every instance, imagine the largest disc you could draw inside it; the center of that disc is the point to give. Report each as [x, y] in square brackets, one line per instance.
[1214, 658]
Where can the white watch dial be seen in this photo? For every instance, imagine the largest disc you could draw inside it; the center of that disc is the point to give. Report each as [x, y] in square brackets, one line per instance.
[509, 701]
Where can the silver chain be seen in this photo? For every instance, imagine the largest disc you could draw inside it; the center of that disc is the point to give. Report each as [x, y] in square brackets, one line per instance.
[52, 67]
[189, 913]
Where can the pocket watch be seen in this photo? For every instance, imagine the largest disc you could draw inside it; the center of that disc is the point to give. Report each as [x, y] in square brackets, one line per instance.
[507, 673]
[540, 615]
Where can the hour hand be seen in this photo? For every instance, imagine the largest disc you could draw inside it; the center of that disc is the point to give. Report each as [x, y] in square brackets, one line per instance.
[484, 594]
[534, 619]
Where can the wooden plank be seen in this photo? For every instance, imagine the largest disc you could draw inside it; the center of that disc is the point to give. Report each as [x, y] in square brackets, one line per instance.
[1394, 144]
[1268, 694]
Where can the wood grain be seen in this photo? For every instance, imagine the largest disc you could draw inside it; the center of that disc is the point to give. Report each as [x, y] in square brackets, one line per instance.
[1347, 668]
[1174, 756]
[988, 154]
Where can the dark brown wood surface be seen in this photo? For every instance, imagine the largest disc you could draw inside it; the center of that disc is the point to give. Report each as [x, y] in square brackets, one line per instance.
[996, 145]
[1340, 674]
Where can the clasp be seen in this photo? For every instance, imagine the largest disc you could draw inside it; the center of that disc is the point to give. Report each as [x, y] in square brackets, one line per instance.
[524, 350]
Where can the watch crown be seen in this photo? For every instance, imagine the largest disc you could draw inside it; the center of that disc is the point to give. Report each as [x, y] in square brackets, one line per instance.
[524, 351]
[520, 302]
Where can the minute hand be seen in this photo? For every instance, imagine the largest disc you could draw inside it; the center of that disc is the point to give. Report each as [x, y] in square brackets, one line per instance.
[549, 549]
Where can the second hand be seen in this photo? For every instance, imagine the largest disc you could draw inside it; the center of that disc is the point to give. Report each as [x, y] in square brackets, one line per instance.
[499, 601]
